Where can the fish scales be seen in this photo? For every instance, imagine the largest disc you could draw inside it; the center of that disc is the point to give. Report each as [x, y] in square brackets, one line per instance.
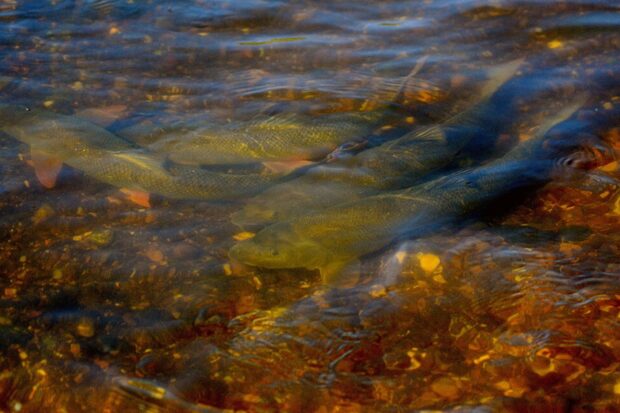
[395, 164]
[329, 239]
[110, 159]
[275, 138]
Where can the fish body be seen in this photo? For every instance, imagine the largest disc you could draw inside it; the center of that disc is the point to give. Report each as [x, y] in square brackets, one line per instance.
[264, 139]
[329, 239]
[104, 156]
[392, 165]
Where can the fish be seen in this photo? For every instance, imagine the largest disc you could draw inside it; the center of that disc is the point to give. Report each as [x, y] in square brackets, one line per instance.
[393, 165]
[57, 139]
[281, 137]
[285, 138]
[332, 239]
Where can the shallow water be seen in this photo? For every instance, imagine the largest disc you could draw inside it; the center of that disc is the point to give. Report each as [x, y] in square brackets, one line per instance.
[109, 306]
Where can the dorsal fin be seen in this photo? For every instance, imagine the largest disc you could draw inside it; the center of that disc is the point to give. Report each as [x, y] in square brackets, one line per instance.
[428, 133]
[496, 78]
[564, 113]
[280, 120]
[431, 133]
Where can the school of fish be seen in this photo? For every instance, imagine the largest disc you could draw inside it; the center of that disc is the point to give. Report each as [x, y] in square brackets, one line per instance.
[328, 213]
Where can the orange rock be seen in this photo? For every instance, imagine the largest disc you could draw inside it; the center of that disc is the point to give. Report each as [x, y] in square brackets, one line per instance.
[446, 387]
[155, 255]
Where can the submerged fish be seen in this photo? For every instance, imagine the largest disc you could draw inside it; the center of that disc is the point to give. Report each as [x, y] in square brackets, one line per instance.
[282, 138]
[330, 239]
[55, 139]
[395, 164]
[269, 138]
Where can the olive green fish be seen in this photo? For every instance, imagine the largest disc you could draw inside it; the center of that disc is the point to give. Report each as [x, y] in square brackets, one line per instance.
[395, 164]
[285, 137]
[55, 139]
[332, 238]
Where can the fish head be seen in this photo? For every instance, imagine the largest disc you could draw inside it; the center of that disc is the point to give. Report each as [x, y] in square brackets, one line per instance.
[11, 115]
[581, 151]
[279, 246]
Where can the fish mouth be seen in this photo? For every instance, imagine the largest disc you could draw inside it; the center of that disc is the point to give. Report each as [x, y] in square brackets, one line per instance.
[260, 255]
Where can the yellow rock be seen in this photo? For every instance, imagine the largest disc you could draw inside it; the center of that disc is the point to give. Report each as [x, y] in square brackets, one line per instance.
[43, 213]
[400, 256]
[439, 278]
[555, 44]
[617, 206]
[86, 327]
[610, 167]
[242, 236]
[415, 363]
[502, 385]
[516, 389]
[377, 291]
[445, 387]
[428, 262]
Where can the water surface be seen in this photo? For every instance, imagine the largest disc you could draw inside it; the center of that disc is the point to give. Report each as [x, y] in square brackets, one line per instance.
[109, 306]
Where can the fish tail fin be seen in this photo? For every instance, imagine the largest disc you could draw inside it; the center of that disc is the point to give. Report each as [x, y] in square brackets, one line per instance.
[499, 75]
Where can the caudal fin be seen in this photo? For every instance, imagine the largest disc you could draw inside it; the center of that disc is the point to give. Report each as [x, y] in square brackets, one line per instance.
[499, 75]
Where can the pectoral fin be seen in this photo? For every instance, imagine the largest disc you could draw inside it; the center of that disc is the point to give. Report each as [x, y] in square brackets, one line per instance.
[285, 167]
[344, 273]
[137, 197]
[144, 161]
[46, 167]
